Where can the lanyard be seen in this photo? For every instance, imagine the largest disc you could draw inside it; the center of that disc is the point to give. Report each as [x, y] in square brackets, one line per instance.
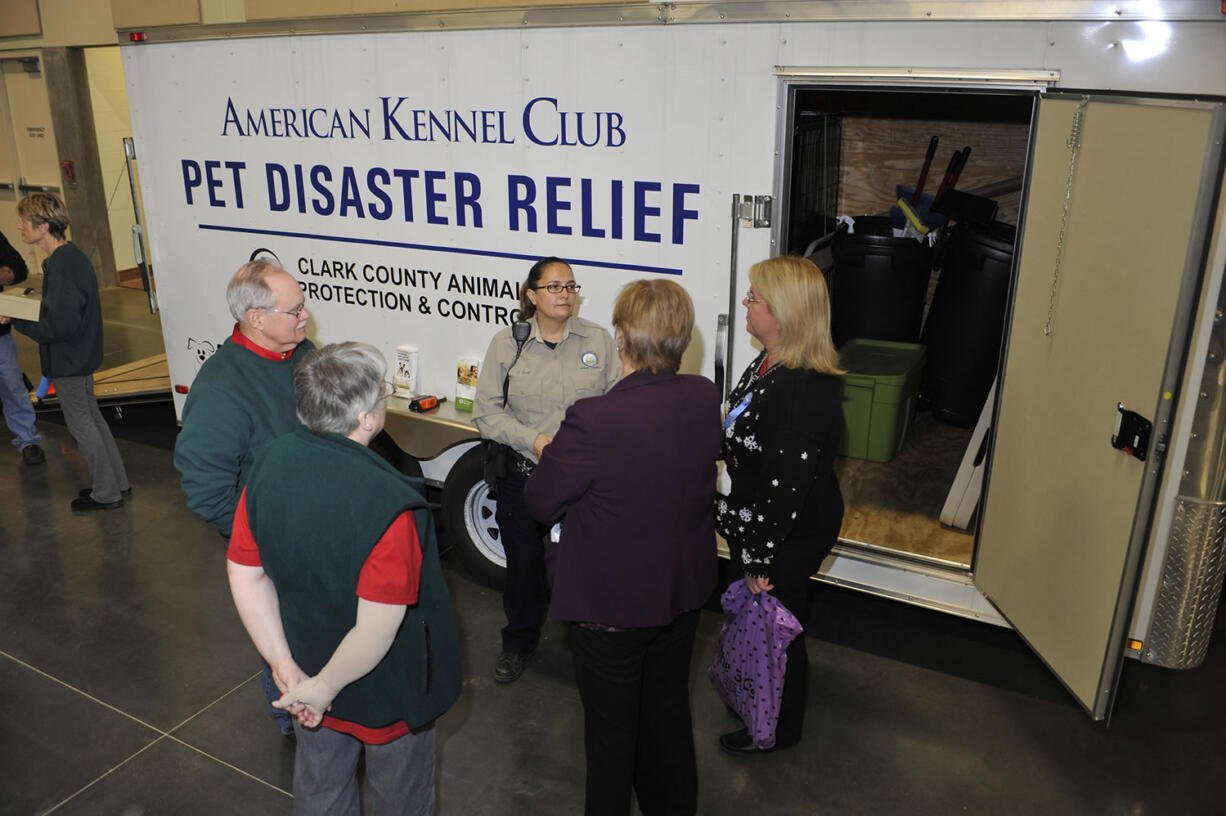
[737, 411]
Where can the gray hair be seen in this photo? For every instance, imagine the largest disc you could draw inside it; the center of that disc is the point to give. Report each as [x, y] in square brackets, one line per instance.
[248, 289]
[333, 384]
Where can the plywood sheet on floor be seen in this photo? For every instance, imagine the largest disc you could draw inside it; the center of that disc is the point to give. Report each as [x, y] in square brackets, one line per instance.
[897, 504]
[138, 378]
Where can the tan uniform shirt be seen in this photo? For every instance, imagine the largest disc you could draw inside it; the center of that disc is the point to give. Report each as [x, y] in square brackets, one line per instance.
[544, 382]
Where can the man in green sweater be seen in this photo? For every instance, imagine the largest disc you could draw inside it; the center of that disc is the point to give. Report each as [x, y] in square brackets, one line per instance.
[338, 583]
[243, 399]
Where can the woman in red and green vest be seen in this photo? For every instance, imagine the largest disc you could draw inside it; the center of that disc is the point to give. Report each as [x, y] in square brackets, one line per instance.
[334, 569]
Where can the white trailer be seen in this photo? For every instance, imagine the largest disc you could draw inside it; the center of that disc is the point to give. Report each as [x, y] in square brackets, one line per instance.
[408, 168]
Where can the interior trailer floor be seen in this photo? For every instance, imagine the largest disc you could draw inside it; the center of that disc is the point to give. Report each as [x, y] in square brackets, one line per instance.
[127, 686]
[897, 504]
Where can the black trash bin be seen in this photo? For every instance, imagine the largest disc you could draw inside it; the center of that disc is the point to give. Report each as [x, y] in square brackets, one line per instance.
[877, 283]
[966, 322]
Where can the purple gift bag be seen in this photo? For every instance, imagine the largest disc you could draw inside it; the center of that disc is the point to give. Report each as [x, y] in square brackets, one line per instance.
[748, 670]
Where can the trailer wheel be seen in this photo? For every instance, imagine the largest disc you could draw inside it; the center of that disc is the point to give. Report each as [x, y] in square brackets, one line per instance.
[468, 510]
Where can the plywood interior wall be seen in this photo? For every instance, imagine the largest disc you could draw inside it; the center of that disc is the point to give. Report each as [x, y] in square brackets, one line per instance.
[880, 153]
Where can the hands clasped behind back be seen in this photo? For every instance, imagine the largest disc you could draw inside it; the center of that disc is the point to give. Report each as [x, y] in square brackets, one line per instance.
[359, 652]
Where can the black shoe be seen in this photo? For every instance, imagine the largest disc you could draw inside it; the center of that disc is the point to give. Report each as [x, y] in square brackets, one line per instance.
[33, 455]
[81, 504]
[740, 742]
[85, 492]
[509, 667]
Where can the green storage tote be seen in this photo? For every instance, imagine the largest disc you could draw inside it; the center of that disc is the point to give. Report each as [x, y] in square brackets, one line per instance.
[880, 390]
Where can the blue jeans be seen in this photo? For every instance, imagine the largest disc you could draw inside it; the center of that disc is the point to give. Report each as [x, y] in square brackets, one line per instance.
[15, 399]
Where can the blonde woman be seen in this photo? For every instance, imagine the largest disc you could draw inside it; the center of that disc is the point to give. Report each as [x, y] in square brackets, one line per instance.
[782, 426]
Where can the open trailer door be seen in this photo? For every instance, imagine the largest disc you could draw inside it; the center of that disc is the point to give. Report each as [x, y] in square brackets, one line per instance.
[1117, 211]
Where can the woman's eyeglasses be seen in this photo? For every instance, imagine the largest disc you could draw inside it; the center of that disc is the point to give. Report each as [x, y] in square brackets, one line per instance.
[556, 287]
[750, 297]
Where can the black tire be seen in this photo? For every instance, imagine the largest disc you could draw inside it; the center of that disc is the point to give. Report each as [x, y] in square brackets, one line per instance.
[468, 512]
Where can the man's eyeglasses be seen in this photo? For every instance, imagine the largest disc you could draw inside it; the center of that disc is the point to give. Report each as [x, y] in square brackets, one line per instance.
[750, 297]
[389, 390]
[296, 311]
[556, 287]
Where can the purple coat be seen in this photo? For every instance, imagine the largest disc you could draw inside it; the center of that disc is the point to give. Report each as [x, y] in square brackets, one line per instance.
[632, 476]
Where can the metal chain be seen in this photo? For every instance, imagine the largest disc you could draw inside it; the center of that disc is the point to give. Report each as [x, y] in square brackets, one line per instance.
[1074, 146]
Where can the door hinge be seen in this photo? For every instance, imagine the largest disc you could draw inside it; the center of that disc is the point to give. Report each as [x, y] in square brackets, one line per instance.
[754, 211]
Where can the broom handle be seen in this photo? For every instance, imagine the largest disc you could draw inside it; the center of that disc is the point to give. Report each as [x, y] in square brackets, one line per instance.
[923, 177]
[956, 163]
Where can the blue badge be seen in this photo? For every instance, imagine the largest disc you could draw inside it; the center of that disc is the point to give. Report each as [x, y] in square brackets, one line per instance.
[589, 359]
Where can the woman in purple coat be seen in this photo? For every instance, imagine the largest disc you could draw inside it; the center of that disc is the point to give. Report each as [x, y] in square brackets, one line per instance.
[630, 477]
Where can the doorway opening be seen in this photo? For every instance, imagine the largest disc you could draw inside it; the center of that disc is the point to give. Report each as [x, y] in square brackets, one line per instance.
[854, 152]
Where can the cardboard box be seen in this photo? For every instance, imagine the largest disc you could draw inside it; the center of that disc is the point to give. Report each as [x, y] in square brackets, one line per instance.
[15, 304]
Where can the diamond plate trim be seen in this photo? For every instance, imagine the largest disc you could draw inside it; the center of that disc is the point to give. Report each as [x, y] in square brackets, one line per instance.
[1191, 583]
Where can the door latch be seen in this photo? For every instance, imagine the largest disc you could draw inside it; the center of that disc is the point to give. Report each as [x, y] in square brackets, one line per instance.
[754, 211]
[1131, 433]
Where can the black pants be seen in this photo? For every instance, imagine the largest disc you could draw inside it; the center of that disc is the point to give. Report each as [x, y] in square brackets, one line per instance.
[525, 596]
[790, 569]
[637, 732]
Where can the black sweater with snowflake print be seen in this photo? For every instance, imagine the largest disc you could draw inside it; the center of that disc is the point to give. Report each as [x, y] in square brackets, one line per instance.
[781, 434]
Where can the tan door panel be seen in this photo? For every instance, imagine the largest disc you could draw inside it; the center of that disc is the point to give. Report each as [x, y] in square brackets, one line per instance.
[1062, 502]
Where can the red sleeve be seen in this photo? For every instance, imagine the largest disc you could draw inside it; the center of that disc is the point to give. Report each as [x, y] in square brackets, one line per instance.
[392, 572]
[242, 549]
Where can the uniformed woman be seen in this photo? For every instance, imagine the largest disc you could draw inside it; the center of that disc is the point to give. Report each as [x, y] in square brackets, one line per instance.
[564, 358]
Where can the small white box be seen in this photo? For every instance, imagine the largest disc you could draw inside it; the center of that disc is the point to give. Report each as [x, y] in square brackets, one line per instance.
[406, 374]
[15, 304]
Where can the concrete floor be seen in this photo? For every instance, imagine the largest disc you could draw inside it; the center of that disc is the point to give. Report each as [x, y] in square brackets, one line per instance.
[127, 686]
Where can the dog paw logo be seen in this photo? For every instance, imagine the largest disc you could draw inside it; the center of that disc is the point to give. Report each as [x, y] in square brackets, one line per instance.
[202, 349]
